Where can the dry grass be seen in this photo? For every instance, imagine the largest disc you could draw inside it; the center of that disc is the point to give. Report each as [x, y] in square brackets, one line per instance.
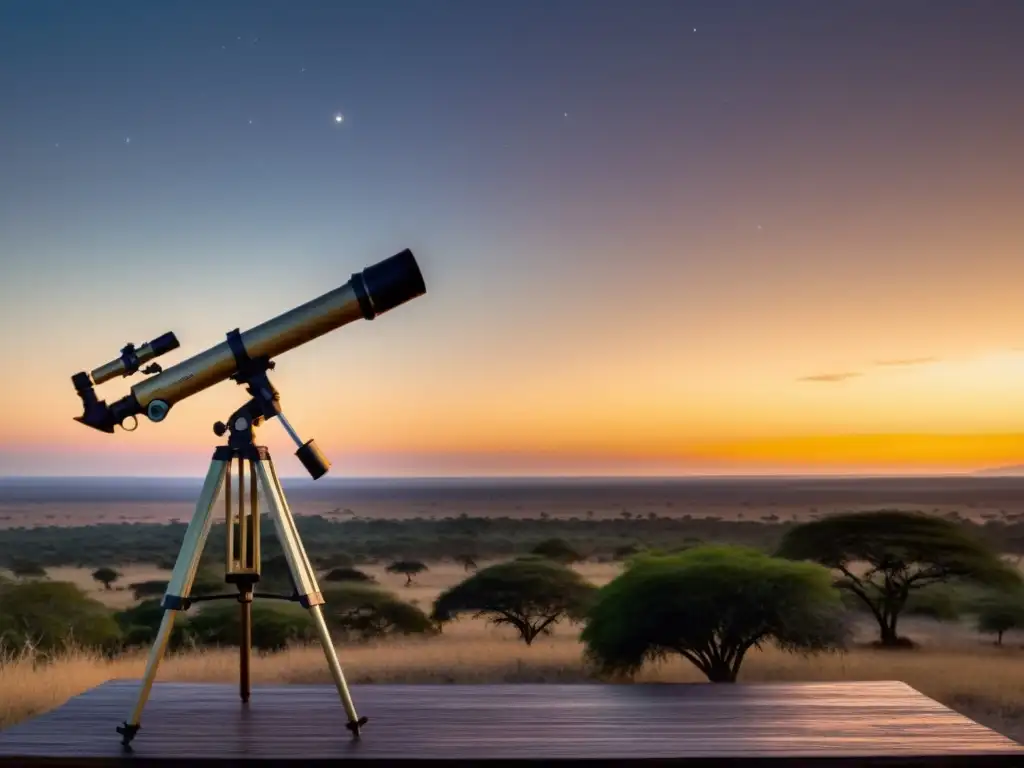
[984, 682]
[954, 666]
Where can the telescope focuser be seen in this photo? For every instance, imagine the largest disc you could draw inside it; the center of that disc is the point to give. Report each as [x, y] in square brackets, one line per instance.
[96, 413]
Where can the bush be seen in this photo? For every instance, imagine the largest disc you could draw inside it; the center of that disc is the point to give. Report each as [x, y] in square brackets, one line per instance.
[941, 602]
[349, 574]
[274, 625]
[51, 616]
[206, 582]
[358, 611]
[140, 624]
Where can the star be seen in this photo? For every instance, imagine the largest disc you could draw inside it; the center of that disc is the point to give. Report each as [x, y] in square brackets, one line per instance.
[339, 118]
[565, 114]
[250, 122]
[128, 140]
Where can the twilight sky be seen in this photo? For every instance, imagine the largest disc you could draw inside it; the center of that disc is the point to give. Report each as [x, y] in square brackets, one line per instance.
[658, 237]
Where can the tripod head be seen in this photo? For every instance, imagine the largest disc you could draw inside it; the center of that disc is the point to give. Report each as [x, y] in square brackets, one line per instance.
[265, 404]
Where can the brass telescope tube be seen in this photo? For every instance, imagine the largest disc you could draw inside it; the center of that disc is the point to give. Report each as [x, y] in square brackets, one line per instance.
[369, 293]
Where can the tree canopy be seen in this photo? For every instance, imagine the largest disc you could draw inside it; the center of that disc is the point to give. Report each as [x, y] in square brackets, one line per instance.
[1000, 612]
[882, 556]
[711, 605]
[106, 576]
[407, 568]
[531, 595]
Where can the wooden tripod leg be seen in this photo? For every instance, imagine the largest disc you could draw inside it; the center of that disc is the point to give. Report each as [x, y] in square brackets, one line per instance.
[178, 589]
[305, 581]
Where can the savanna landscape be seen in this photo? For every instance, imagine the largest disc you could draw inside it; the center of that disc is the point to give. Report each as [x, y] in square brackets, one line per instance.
[907, 588]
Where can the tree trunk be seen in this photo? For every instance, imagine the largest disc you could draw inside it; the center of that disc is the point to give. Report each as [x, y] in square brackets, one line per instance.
[889, 638]
[999, 638]
[720, 672]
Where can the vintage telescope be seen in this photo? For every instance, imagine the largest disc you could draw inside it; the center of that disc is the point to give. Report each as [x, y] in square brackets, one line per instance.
[245, 358]
[369, 293]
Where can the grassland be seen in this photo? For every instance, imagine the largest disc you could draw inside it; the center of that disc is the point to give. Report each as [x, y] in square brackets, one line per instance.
[952, 664]
[72, 536]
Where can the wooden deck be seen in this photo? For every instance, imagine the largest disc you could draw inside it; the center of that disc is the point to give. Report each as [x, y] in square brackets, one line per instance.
[805, 724]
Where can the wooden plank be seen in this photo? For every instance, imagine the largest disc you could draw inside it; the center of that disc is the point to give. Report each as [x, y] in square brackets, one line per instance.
[876, 723]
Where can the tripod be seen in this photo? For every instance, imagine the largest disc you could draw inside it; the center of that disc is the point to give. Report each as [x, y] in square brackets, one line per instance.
[243, 561]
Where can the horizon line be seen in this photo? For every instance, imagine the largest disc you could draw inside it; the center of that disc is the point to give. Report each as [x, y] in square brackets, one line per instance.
[527, 477]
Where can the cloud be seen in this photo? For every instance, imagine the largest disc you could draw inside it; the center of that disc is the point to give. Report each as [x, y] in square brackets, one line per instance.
[908, 361]
[830, 377]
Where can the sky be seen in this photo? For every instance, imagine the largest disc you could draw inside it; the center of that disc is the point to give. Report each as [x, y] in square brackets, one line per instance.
[657, 237]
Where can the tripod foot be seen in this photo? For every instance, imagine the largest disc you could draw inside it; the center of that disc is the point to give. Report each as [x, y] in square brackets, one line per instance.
[127, 732]
[355, 725]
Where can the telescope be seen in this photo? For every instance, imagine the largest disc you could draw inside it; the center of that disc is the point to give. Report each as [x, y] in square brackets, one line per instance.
[369, 293]
[245, 358]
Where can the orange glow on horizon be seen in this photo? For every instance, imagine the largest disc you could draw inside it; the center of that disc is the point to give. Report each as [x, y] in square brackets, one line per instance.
[900, 416]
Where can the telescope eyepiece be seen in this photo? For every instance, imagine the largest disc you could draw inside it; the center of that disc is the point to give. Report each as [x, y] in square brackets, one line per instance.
[388, 283]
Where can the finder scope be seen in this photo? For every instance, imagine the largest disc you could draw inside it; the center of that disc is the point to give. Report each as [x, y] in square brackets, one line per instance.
[369, 293]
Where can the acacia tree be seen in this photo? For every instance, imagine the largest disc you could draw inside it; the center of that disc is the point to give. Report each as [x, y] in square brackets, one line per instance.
[1001, 612]
[531, 595]
[900, 552]
[408, 568]
[711, 605]
[106, 576]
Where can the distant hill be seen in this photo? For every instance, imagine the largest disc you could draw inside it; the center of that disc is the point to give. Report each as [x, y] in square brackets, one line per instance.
[1014, 470]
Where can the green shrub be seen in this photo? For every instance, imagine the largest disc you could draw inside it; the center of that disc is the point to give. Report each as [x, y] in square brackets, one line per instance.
[51, 616]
